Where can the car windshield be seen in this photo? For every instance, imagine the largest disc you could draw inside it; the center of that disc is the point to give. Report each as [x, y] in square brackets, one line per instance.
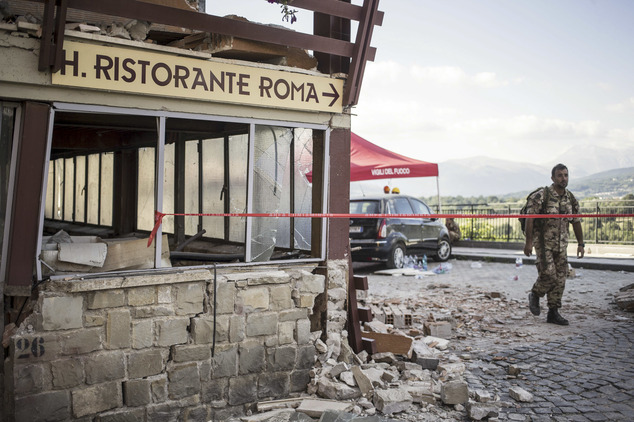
[364, 207]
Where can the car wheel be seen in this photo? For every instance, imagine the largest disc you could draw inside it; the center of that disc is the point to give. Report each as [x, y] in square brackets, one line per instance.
[397, 256]
[444, 250]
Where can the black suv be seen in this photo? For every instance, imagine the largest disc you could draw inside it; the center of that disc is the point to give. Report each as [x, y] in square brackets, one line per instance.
[391, 239]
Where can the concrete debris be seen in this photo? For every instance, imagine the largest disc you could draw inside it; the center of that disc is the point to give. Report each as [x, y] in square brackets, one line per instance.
[520, 394]
[480, 411]
[392, 401]
[454, 392]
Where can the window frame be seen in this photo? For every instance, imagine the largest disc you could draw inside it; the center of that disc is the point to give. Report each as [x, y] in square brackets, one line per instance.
[162, 117]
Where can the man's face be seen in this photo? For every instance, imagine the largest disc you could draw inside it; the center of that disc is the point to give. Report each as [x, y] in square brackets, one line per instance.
[560, 179]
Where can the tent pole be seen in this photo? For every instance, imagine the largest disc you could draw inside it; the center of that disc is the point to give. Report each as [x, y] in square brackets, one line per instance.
[438, 192]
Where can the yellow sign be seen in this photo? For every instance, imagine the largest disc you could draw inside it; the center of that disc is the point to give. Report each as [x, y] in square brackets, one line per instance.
[143, 72]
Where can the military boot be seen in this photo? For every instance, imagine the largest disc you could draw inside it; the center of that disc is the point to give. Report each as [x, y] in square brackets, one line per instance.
[554, 317]
[533, 303]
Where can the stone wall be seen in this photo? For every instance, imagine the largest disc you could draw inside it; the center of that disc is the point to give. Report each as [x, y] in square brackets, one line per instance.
[148, 347]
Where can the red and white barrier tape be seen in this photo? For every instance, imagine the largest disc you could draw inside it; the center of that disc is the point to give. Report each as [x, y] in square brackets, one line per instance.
[158, 216]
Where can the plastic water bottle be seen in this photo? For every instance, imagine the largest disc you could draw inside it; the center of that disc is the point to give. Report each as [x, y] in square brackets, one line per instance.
[424, 262]
[518, 263]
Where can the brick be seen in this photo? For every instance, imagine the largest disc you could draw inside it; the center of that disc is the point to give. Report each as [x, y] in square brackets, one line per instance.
[118, 332]
[243, 390]
[259, 324]
[251, 357]
[81, 342]
[104, 367]
[254, 299]
[67, 373]
[189, 298]
[172, 331]
[62, 313]
[145, 363]
[191, 353]
[225, 362]
[281, 298]
[137, 392]
[184, 381]
[142, 333]
[106, 299]
[32, 379]
[142, 296]
[98, 398]
[50, 406]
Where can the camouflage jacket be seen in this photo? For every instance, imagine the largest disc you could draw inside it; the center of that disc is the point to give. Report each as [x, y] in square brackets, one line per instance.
[555, 230]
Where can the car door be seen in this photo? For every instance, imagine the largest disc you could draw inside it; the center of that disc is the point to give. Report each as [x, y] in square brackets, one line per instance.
[409, 227]
[429, 227]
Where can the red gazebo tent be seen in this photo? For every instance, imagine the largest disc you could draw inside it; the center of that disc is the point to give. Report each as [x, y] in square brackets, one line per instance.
[370, 162]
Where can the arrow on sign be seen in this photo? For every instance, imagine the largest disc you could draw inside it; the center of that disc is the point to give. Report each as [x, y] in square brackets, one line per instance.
[334, 94]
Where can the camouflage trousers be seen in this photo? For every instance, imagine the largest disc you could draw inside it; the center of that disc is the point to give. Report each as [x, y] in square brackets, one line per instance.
[552, 269]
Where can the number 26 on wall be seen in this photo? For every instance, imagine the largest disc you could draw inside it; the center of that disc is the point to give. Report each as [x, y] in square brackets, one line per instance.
[26, 348]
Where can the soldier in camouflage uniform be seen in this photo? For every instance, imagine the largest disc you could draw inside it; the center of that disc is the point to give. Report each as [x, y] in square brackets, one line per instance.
[549, 236]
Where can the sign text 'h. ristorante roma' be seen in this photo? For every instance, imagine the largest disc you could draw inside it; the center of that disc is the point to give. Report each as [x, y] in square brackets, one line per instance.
[144, 72]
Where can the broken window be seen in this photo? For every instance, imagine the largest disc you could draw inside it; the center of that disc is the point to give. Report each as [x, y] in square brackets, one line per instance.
[102, 182]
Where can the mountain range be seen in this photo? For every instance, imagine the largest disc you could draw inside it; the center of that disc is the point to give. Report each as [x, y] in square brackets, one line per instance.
[592, 170]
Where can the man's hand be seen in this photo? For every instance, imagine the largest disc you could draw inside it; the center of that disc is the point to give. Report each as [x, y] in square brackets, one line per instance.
[528, 248]
[580, 252]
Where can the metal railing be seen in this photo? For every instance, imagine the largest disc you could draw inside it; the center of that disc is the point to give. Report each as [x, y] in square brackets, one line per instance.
[607, 230]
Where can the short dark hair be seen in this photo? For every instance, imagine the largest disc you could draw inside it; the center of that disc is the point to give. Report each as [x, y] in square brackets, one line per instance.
[558, 167]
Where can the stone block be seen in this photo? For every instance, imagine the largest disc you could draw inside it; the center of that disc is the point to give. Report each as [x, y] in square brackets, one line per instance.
[94, 320]
[214, 391]
[363, 381]
[281, 358]
[305, 357]
[305, 300]
[104, 367]
[145, 363]
[336, 390]
[189, 298]
[482, 396]
[172, 331]
[300, 380]
[62, 313]
[153, 311]
[316, 408]
[482, 411]
[251, 358]
[164, 412]
[106, 299]
[142, 334]
[452, 368]
[281, 298]
[190, 353]
[32, 379]
[202, 329]
[454, 392]
[293, 314]
[49, 406]
[137, 392]
[521, 395]
[243, 390]
[127, 415]
[158, 388]
[254, 299]
[184, 381]
[261, 324]
[118, 329]
[428, 363]
[286, 332]
[237, 327]
[81, 341]
[303, 331]
[421, 392]
[164, 294]
[225, 293]
[311, 283]
[67, 373]
[198, 413]
[273, 385]
[225, 362]
[99, 398]
[142, 296]
[255, 278]
[392, 401]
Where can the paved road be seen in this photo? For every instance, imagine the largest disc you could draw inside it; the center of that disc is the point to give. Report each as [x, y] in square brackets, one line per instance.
[589, 377]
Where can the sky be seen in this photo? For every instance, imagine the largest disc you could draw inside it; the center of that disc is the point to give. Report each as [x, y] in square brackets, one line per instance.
[518, 80]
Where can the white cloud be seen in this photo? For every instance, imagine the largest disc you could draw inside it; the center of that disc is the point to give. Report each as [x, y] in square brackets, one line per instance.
[622, 107]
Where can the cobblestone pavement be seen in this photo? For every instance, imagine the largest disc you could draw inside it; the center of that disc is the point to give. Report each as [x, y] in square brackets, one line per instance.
[589, 377]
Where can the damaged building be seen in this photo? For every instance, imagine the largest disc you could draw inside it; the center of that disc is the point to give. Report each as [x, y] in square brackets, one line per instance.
[163, 255]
